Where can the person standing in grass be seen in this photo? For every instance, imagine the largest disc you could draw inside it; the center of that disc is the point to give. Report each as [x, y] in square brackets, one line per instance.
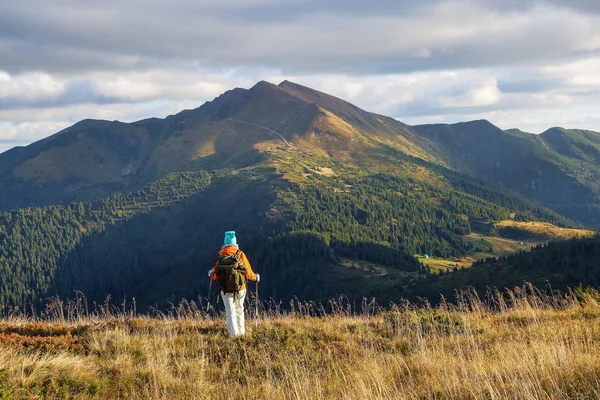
[231, 270]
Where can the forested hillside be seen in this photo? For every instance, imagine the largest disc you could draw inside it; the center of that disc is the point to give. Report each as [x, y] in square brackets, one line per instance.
[559, 168]
[156, 243]
[326, 199]
[559, 264]
[34, 241]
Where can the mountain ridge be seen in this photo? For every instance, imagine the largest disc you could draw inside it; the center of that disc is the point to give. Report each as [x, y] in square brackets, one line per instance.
[138, 208]
[96, 158]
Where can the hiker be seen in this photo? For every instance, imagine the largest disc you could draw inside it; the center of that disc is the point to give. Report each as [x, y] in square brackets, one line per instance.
[231, 270]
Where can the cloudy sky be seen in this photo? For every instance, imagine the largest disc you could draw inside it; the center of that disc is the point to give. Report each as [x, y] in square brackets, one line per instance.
[518, 63]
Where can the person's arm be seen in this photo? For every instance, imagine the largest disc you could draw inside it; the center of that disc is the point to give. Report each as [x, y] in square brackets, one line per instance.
[249, 273]
[213, 274]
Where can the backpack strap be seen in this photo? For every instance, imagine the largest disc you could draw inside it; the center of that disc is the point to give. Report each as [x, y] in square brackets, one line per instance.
[237, 253]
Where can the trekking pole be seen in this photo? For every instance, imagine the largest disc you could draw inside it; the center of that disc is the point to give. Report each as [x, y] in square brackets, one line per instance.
[256, 304]
[209, 287]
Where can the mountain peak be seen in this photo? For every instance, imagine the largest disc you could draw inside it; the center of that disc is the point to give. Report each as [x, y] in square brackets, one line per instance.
[324, 100]
[517, 130]
[478, 122]
[264, 88]
[291, 85]
[555, 130]
[263, 84]
[309, 94]
[91, 124]
[475, 124]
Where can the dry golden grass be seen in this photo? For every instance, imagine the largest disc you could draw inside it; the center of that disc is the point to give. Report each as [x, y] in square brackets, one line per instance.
[325, 171]
[522, 345]
[546, 230]
[436, 264]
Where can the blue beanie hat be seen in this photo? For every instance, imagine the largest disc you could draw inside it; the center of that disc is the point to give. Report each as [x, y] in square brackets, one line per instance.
[230, 237]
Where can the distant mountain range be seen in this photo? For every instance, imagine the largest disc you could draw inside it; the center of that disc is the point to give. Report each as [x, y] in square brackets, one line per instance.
[559, 168]
[327, 197]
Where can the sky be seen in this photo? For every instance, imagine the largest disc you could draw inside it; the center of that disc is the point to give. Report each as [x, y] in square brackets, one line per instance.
[518, 63]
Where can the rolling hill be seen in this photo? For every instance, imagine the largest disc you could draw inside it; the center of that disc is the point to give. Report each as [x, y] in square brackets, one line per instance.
[326, 198]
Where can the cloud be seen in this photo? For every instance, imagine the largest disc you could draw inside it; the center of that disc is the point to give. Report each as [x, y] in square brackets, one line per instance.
[529, 84]
[64, 61]
[18, 129]
[299, 37]
[41, 90]
[119, 111]
[485, 94]
[12, 135]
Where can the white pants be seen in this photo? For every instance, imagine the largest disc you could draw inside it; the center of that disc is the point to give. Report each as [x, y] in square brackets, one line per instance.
[234, 308]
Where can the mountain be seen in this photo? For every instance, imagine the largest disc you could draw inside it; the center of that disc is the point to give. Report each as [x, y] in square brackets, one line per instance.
[326, 199]
[559, 168]
[94, 159]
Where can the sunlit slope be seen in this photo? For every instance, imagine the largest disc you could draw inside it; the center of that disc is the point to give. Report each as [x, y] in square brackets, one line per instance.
[93, 159]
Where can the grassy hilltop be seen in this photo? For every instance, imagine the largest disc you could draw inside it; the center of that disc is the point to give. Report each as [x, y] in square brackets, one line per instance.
[524, 344]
